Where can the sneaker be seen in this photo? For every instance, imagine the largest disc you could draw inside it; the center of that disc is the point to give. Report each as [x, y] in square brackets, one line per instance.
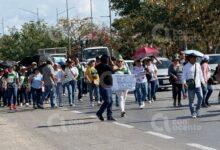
[27, 104]
[123, 114]
[21, 105]
[100, 117]
[64, 94]
[80, 100]
[99, 102]
[194, 116]
[149, 101]
[142, 106]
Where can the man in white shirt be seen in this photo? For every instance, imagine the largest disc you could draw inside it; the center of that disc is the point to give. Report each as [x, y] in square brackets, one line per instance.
[193, 80]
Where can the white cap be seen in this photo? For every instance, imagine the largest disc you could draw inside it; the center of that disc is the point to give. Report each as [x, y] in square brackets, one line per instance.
[205, 57]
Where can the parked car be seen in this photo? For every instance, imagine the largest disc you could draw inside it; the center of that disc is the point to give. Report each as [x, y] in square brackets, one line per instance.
[214, 60]
[163, 77]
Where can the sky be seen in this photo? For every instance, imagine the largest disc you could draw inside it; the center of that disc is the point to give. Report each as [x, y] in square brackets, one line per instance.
[11, 11]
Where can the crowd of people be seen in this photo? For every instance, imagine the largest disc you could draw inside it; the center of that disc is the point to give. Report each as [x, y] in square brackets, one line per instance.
[36, 85]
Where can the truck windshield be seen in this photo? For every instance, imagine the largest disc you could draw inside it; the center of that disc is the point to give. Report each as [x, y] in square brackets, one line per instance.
[93, 53]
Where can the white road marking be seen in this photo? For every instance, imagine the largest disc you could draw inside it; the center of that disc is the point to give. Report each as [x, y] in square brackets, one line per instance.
[77, 112]
[124, 125]
[92, 116]
[160, 135]
[198, 146]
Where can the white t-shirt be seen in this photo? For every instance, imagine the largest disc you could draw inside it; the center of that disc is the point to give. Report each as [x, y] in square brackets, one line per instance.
[152, 69]
[70, 73]
[59, 75]
[140, 74]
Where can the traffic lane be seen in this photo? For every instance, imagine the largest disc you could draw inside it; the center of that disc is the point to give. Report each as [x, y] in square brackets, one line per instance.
[66, 129]
[163, 118]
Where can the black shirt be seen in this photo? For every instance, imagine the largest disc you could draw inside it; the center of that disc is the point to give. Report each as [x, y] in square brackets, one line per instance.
[105, 75]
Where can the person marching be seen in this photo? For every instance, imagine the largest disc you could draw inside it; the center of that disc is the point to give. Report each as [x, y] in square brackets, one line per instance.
[22, 88]
[106, 82]
[175, 72]
[70, 76]
[12, 87]
[36, 84]
[122, 94]
[141, 88]
[208, 80]
[80, 78]
[92, 79]
[59, 74]
[193, 80]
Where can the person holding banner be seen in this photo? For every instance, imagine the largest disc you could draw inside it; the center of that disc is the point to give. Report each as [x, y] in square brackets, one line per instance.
[141, 83]
[122, 94]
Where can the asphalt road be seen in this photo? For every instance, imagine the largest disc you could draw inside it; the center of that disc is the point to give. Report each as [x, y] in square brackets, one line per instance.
[158, 126]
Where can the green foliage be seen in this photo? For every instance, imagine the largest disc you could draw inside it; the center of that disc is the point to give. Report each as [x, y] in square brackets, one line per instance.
[168, 24]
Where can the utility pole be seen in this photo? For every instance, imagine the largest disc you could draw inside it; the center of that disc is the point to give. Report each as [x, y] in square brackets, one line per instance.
[61, 12]
[91, 17]
[68, 27]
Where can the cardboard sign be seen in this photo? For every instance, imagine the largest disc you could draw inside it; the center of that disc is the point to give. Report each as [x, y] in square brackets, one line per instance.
[123, 82]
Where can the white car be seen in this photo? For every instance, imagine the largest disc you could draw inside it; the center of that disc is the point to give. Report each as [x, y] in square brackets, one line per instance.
[163, 77]
[214, 60]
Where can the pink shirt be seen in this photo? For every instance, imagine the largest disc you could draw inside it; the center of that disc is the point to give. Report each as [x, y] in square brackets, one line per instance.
[205, 71]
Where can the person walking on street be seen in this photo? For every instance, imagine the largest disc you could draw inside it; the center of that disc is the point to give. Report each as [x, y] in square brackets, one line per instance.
[59, 74]
[141, 83]
[92, 79]
[80, 78]
[193, 80]
[105, 74]
[152, 87]
[49, 83]
[208, 81]
[36, 84]
[70, 76]
[22, 88]
[175, 72]
[122, 94]
[12, 87]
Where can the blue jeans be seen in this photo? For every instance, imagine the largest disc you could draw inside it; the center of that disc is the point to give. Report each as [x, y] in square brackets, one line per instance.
[204, 92]
[50, 90]
[12, 92]
[191, 95]
[36, 95]
[95, 88]
[59, 93]
[141, 91]
[106, 94]
[80, 88]
[209, 93]
[152, 87]
[71, 91]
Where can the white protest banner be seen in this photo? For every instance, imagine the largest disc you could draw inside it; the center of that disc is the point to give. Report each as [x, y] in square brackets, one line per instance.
[123, 82]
